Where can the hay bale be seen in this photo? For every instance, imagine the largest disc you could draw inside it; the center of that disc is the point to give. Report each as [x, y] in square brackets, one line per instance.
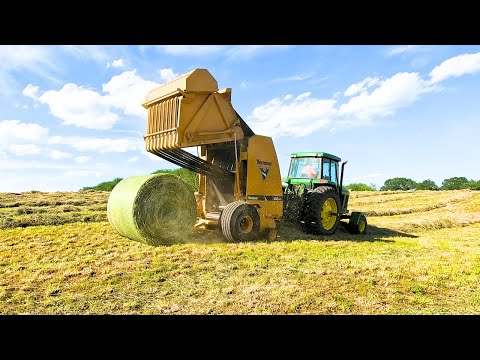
[157, 209]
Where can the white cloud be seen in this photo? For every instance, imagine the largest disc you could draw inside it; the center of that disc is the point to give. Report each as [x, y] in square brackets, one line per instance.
[96, 52]
[292, 78]
[118, 63]
[191, 50]
[361, 86]
[244, 85]
[31, 91]
[83, 107]
[81, 159]
[127, 91]
[400, 90]
[402, 49]
[167, 74]
[24, 149]
[102, 145]
[242, 52]
[133, 159]
[77, 106]
[456, 66]
[12, 131]
[286, 116]
[58, 155]
[35, 59]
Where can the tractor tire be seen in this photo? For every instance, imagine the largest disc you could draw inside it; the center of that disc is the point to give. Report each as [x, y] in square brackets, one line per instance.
[360, 228]
[320, 211]
[240, 222]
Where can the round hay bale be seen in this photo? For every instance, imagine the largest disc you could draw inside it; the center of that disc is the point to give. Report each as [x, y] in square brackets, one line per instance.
[157, 209]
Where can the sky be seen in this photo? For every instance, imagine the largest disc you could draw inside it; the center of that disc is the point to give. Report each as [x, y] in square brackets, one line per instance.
[71, 115]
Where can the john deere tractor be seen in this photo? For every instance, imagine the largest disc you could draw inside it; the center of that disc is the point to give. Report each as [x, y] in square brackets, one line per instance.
[240, 188]
[314, 194]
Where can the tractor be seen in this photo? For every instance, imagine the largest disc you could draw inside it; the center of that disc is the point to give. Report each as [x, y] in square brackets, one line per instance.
[313, 194]
[241, 191]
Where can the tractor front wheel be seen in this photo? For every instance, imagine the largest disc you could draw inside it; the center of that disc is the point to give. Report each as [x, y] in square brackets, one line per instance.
[240, 222]
[360, 228]
[320, 211]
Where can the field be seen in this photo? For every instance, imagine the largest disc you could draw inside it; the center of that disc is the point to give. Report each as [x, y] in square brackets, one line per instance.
[421, 255]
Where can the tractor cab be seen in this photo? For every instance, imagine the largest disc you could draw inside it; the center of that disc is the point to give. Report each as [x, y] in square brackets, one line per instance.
[313, 169]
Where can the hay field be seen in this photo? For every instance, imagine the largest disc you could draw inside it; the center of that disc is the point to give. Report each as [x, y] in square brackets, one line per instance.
[59, 255]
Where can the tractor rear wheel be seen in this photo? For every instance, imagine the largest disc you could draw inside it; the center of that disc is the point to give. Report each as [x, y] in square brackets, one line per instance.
[240, 222]
[320, 211]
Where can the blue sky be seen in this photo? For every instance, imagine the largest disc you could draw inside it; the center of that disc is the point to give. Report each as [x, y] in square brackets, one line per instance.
[71, 116]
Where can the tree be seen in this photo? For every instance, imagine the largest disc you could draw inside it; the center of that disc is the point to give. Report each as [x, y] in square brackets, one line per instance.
[399, 184]
[103, 186]
[455, 183]
[474, 185]
[427, 185]
[190, 177]
[360, 187]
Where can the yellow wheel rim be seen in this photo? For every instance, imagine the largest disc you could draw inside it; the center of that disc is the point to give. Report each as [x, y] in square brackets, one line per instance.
[246, 224]
[329, 213]
[272, 234]
[361, 226]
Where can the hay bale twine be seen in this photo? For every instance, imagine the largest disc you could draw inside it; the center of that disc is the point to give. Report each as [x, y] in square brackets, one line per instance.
[158, 209]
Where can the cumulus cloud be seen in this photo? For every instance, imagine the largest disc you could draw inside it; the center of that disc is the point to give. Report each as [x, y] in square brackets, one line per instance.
[13, 131]
[118, 63]
[31, 91]
[76, 105]
[24, 149]
[456, 66]
[58, 155]
[82, 107]
[400, 90]
[304, 114]
[101, 145]
[297, 116]
[361, 86]
[167, 74]
[127, 92]
[133, 159]
[81, 159]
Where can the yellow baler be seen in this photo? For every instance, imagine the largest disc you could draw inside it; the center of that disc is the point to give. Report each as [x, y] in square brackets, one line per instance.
[239, 176]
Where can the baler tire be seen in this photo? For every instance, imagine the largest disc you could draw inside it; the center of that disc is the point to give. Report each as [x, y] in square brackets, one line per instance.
[240, 222]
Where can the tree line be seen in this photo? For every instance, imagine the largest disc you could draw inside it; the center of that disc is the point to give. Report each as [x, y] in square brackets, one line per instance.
[401, 183]
[188, 176]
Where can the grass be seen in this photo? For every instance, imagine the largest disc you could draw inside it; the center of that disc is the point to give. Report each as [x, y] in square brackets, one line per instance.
[421, 255]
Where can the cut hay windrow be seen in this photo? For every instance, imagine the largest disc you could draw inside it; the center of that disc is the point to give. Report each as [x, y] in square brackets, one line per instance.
[155, 209]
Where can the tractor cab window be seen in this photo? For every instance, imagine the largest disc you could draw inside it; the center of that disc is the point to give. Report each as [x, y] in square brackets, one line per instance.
[326, 169]
[306, 167]
[333, 171]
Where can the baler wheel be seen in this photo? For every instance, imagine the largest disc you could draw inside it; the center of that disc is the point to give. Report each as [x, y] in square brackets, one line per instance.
[240, 222]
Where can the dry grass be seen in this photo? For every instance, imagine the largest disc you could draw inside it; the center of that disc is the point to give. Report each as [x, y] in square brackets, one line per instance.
[424, 258]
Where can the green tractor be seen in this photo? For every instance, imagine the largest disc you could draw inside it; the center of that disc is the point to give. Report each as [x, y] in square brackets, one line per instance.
[314, 194]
